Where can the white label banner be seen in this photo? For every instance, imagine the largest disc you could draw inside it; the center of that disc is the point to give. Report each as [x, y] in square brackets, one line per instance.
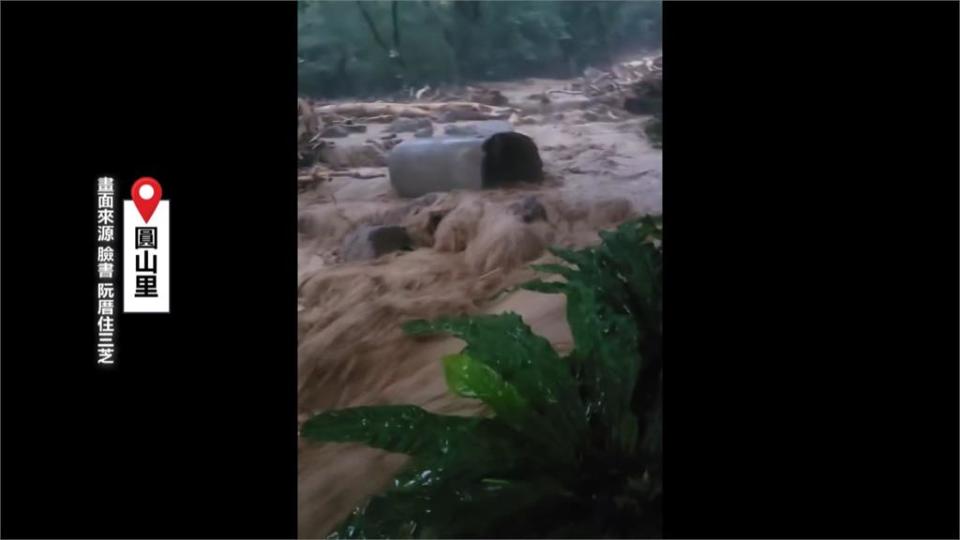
[146, 260]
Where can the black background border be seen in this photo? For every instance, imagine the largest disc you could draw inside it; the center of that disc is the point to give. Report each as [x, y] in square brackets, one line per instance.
[812, 270]
[193, 433]
[811, 305]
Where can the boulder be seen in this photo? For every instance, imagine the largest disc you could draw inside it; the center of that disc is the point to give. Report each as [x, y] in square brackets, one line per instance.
[355, 128]
[487, 96]
[397, 214]
[334, 131]
[529, 210]
[369, 242]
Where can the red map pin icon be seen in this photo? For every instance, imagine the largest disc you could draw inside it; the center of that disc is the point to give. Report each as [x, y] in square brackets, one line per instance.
[146, 195]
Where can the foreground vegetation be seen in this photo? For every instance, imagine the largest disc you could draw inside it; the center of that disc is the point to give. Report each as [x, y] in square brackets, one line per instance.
[572, 446]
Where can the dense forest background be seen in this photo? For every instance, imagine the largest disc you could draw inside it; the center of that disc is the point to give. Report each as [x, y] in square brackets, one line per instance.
[366, 48]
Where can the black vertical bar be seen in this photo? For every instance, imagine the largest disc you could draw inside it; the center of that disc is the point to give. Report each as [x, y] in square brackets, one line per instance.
[193, 434]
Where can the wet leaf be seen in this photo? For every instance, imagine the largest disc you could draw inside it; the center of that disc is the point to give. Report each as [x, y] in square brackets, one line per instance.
[397, 428]
[529, 364]
[470, 378]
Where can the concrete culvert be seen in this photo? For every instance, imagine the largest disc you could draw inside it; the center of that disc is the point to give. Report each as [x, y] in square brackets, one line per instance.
[422, 166]
[510, 158]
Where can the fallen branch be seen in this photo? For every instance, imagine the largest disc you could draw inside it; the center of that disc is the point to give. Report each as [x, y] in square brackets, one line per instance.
[358, 174]
[413, 110]
[420, 93]
[381, 119]
[373, 109]
[571, 92]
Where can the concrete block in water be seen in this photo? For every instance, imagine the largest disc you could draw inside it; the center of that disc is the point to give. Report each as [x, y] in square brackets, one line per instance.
[421, 166]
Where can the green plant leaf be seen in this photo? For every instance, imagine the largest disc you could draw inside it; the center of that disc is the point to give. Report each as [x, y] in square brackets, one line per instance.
[484, 508]
[509, 347]
[613, 305]
[606, 343]
[572, 257]
[528, 363]
[564, 271]
[549, 287]
[397, 428]
[470, 378]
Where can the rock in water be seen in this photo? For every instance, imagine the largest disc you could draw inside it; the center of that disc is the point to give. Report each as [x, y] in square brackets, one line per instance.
[487, 96]
[529, 210]
[334, 132]
[397, 214]
[369, 242]
[355, 128]
[424, 132]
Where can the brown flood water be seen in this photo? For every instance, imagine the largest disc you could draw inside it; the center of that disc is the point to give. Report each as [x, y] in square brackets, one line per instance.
[600, 172]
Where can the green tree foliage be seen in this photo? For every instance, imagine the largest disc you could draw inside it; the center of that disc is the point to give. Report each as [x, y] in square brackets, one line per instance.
[572, 447]
[365, 48]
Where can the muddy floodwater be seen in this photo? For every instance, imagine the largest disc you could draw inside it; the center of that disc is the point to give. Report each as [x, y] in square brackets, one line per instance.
[469, 250]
